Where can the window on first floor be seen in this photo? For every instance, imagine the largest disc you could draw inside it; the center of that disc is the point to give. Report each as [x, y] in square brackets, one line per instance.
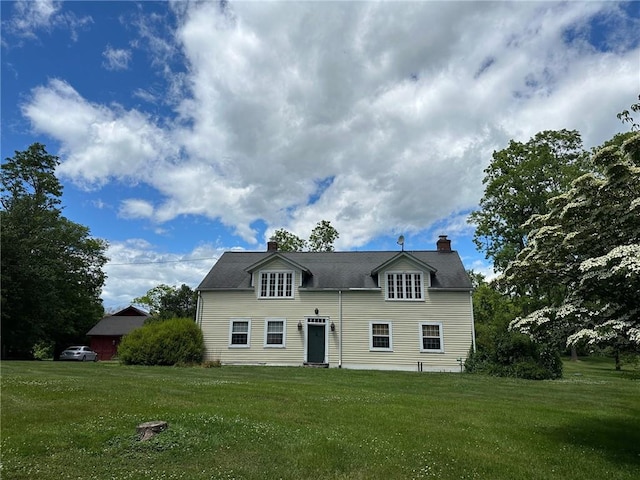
[276, 284]
[380, 336]
[431, 337]
[274, 332]
[240, 332]
[404, 286]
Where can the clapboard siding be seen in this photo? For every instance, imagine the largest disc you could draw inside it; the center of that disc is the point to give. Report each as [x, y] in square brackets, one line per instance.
[452, 309]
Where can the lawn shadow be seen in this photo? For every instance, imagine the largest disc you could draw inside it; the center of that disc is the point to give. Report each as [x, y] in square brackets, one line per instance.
[616, 439]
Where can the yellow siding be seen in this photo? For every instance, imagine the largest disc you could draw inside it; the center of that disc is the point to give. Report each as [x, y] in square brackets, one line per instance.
[359, 308]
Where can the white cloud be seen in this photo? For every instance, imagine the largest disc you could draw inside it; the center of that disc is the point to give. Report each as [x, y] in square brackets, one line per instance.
[136, 208]
[136, 266]
[116, 58]
[400, 105]
[31, 16]
[99, 142]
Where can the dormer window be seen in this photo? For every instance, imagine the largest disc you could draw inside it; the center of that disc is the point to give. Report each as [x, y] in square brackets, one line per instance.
[404, 286]
[276, 284]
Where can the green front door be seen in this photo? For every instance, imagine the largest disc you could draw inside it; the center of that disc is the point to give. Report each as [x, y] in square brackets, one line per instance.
[315, 343]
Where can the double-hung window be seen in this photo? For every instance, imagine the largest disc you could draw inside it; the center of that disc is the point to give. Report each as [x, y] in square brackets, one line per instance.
[276, 284]
[380, 336]
[431, 337]
[240, 332]
[274, 332]
[404, 286]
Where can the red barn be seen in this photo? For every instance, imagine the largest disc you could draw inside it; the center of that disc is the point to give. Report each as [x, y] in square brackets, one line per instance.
[106, 335]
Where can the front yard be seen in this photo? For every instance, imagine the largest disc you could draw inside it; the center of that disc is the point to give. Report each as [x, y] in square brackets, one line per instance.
[76, 421]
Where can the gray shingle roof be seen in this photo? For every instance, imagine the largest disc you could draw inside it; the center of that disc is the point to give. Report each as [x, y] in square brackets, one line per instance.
[119, 323]
[335, 270]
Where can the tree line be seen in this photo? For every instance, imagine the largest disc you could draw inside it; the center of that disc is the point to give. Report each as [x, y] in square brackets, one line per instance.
[562, 227]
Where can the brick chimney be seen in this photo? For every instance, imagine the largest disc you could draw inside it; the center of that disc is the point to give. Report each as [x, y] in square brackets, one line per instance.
[272, 246]
[443, 244]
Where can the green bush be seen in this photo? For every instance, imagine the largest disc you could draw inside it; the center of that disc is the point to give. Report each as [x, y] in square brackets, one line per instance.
[513, 354]
[176, 341]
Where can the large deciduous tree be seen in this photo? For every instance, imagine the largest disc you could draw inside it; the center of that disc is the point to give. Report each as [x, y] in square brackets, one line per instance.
[588, 245]
[287, 241]
[321, 239]
[518, 182]
[51, 267]
[166, 302]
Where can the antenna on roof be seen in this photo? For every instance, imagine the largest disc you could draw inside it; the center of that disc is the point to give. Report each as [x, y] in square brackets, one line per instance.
[401, 241]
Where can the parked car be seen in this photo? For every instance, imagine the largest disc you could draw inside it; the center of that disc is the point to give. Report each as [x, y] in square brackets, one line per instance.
[79, 352]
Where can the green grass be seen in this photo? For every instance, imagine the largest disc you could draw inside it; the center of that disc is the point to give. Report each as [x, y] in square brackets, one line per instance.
[77, 421]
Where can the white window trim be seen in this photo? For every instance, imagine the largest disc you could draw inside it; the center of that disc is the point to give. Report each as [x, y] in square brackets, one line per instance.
[380, 349]
[284, 332]
[440, 329]
[411, 272]
[267, 297]
[231, 322]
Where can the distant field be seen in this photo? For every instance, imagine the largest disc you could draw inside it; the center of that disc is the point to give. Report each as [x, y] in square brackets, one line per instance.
[77, 421]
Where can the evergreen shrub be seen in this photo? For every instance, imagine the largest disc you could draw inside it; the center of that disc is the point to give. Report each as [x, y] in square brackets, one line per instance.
[177, 341]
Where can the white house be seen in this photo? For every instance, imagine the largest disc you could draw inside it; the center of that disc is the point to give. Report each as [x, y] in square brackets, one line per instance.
[407, 310]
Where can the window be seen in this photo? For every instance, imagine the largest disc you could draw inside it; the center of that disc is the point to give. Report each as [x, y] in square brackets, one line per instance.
[274, 332]
[240, 333]
[380, 336]
[431, 337]
[276, 284]
[404, 286]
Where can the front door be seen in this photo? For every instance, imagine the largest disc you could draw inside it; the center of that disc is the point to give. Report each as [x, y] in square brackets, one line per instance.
[315, 343]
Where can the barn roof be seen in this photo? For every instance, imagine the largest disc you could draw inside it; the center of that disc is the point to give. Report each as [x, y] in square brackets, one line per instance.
[120, 323]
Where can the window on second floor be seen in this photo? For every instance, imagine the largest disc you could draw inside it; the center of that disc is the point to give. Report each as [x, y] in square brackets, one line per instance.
[404, 286]
[276, 284]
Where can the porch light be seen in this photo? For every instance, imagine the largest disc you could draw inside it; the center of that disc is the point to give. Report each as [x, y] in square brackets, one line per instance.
[333, 327]
[299, 325]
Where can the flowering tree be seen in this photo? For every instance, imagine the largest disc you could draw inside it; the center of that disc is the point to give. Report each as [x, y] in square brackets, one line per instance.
[586, 250]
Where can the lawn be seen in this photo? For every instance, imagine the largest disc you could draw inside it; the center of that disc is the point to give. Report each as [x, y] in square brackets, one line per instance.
[77, 421]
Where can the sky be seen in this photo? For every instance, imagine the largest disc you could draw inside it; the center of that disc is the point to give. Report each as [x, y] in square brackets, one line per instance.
[186, 129]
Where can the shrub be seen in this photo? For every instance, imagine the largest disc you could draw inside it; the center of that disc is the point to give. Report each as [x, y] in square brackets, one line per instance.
[512, 354]
[176, 341]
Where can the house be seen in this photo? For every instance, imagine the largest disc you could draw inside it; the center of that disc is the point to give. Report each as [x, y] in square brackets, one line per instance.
[402, 310]
[106, 335]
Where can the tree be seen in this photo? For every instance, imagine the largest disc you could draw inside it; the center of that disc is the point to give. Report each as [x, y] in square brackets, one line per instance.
[589, 245]
[288, 242]
[51, 267]
[518, 182]
[166, 302]
[322, 237]
[626, 117]
[320, 240]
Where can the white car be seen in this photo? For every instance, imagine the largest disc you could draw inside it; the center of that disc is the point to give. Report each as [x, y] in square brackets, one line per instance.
[80, 352]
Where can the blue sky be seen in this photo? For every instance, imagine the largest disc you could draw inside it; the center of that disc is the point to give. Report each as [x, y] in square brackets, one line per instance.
[185, 129]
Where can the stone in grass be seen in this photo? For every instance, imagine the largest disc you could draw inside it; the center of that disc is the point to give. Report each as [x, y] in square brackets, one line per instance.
[147, 430]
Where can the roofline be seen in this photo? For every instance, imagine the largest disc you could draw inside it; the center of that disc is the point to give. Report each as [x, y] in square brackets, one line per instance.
[340, 289]
[225, 289]
[268, 258]
[403, 253]
[450, 289]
